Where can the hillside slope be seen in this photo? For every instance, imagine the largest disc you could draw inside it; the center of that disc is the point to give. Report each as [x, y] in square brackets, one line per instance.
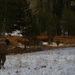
[53, 62]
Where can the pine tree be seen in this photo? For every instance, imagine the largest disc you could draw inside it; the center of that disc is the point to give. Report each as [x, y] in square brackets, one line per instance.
[68, 21]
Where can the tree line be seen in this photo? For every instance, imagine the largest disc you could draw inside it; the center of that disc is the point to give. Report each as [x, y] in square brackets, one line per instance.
[33, 17]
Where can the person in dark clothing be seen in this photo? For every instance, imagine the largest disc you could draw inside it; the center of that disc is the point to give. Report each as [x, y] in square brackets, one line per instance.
[2, 59]
[3, 52]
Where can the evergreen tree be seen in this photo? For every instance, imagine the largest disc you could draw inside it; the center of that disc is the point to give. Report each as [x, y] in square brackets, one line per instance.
[68, 21]
[2, 14]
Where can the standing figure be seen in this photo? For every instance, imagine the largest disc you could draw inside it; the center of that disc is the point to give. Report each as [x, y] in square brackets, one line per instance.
[3, 52]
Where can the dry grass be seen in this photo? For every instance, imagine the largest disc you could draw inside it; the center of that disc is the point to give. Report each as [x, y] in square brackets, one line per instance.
[18, 50]
[65, 40]
[15, 40]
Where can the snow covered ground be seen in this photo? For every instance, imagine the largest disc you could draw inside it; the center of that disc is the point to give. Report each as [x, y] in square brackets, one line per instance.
[53, 62]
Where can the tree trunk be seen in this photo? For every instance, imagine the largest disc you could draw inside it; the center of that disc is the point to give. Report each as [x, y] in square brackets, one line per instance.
[25, 44]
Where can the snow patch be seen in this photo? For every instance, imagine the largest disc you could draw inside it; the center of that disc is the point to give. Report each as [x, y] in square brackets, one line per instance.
[53, 62]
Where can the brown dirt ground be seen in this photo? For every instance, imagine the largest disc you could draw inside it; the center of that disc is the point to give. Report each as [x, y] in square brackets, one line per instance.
[18, 50]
